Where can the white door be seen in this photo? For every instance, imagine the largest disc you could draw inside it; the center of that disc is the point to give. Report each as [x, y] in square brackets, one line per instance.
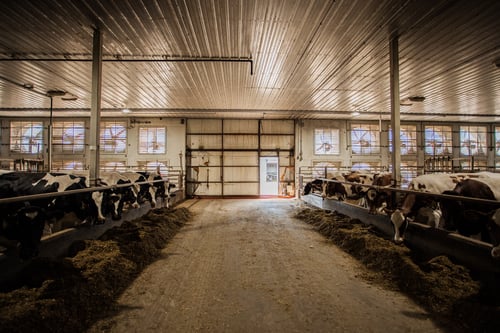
[269, 175]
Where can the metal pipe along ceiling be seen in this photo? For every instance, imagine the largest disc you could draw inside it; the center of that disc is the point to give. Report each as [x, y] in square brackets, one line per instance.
[139, 59]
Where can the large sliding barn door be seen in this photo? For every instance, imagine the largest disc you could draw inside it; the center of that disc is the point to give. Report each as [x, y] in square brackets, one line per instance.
[223, 155]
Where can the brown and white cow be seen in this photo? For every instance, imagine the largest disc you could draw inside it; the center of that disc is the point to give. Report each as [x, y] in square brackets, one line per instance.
[422, 208]
[471, 218]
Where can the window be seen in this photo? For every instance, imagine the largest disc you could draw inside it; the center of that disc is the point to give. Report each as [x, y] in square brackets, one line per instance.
[113, 137]
[26, 137]
[326, 141]
[365, 139]
[438, 140]
[152, 140]
[68, 137]
[324, 169]
[408, 172]
[497, 140]
[473, 140]
[473, 165]
[119, 166]
[69, 165]
[154, 166]
[366, 166]
[408, 139]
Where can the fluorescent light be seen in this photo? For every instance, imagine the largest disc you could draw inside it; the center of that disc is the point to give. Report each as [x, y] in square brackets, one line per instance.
[126, 111]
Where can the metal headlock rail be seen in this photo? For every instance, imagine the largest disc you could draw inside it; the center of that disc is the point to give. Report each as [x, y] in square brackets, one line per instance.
[428, 240]
[69, 192]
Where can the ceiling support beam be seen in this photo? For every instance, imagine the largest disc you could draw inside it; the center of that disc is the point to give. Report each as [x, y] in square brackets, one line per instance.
[95, 108]
[395, 110]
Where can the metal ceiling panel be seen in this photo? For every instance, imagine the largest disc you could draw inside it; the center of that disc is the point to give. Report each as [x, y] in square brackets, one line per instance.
[293, 59]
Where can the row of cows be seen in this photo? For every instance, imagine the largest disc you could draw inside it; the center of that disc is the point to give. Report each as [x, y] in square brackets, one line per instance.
[440, 200]
[23, 221]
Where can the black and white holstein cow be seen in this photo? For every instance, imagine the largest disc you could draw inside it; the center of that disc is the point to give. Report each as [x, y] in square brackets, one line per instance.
[24, 221]
[472, 218]
[153, 186]
[113, 200]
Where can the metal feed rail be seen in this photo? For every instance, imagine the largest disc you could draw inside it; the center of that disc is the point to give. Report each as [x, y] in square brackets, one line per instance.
[69, 192]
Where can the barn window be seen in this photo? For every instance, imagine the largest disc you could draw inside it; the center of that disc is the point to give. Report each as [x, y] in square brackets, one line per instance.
[153, 166]
[324, 169]
[438, 140]
[113, 137]
[68, 137]
[365, 139]
[473, 140]
[497, 140]
[26, 137]
[366, 166]
[63, 165]
[326, 141]
[408, 139]
[152, 140]
[119, 166]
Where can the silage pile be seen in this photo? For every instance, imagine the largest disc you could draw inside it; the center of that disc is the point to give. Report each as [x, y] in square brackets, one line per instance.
[445, 289]
[69, 294]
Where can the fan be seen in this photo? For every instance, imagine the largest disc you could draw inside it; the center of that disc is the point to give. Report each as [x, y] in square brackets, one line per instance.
[434, 142]
[115, 139]
[361, 141]
[325, 147]
[31, 140]
[73, 139]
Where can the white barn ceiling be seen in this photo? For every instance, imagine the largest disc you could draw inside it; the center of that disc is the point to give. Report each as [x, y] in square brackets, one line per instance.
[285, 59]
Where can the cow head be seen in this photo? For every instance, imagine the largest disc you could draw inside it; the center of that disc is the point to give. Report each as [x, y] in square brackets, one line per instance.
[399, 223]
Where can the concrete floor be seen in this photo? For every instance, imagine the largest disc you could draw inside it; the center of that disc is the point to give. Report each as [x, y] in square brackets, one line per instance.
[248, 266]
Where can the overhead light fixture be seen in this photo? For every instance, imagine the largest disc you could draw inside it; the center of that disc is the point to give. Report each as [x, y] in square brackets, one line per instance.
[55, 92]
[405, 102]
[126, 111]
[355, 113]
[28, 86]
[416, 98]
[69, 98]
[497, 63]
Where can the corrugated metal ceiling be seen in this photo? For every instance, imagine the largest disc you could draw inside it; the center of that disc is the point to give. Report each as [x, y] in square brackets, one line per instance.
[310, 59]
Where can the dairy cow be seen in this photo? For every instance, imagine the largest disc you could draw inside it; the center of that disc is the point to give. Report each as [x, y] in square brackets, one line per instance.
[379, 198]
[113, 200]
[471, 218]
[23, 221]
[422, 208]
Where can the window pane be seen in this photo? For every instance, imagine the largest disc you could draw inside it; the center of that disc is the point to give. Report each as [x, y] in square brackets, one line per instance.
[326, 141]
[113, 138]
[152, 140]
[408, 139]
[473, 140]
[68, 137]
[365, 139]
[119, 166]
[438, 140]
[26, 137]
[69, 165]
[497, 141]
